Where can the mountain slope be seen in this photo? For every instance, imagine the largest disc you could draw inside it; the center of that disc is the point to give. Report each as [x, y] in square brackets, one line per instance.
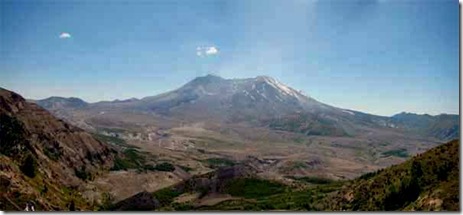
[428, 181]
[44, 159]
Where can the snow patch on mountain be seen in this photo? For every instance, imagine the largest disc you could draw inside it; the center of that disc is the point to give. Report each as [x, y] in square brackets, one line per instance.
[283, 89]
[249, 95]
[262, 94]
[349, 112]
[205, 92]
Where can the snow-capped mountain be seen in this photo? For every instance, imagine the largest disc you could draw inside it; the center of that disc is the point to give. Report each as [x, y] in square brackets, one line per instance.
[261, 101]
[231, 99]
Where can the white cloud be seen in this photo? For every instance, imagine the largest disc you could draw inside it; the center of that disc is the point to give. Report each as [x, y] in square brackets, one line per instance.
[64, 35]
[212, 50]
[206, 50]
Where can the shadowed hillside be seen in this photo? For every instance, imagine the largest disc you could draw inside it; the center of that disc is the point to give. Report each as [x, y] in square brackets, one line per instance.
[43, 159]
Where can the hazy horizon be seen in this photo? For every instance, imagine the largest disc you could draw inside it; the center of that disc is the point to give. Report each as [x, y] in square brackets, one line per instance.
[376, 56]
[121, 99]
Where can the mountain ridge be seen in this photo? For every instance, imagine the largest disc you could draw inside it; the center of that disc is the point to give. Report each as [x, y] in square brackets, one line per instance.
[38, 101]
[265, 102]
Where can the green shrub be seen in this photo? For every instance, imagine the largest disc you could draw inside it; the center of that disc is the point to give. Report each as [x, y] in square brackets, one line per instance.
[82, 173]
[11, 135]
[165, 167]
[29, 166]
[149, 167]
[53, 154]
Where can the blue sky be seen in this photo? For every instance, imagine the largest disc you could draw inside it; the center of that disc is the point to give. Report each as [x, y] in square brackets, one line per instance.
[376, 56]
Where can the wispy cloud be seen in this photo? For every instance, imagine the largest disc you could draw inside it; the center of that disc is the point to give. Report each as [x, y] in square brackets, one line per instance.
[199, 52]
[65, 35]
[206, 50]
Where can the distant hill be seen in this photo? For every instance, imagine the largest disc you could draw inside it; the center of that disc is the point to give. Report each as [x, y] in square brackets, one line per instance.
[53, 103]
[444, 126]
[44, 159]
[428, 182]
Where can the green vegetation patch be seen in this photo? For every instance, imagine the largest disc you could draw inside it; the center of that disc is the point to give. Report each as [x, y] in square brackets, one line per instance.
[219, 162]
[166, 196]
[122, 164]
[165, 167]
[253, 187]
[134, 155]
[134, 159]
[402, 153]
[52, 153]
[131, 159]
[288, 200]
[313, 179]
[186, 168]
[256, 195]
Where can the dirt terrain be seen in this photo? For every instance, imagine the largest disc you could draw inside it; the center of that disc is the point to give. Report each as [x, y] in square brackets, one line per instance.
[276, 155]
